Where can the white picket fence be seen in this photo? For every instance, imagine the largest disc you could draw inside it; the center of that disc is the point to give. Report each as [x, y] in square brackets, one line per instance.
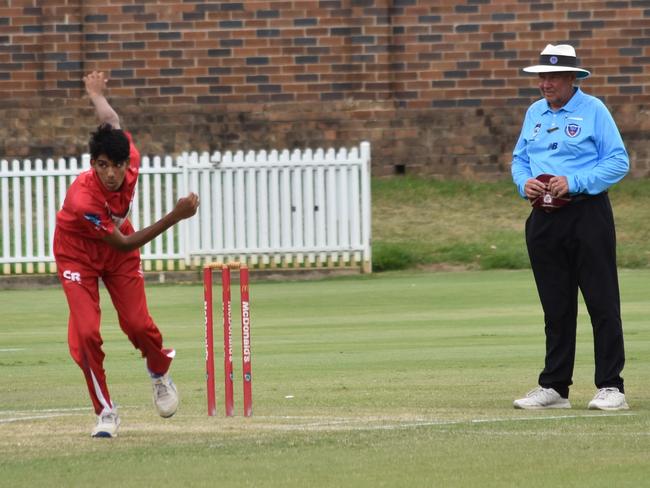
[290, 209]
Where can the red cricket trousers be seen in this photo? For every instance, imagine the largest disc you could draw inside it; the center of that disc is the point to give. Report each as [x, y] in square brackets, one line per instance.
[80, 263]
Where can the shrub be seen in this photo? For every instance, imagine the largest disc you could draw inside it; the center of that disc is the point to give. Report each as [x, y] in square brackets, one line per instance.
[390, 256]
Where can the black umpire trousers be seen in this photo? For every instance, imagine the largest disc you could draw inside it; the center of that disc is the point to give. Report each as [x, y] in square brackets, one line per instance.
[575, 248]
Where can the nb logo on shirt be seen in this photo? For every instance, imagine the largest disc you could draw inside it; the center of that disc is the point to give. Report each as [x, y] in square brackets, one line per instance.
[72, 276]
[552, 146]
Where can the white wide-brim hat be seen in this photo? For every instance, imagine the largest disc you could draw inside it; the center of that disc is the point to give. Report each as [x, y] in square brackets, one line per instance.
[558, 58]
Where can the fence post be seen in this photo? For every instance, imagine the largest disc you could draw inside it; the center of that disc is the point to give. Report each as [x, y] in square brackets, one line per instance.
[365, 206]
[184, 227]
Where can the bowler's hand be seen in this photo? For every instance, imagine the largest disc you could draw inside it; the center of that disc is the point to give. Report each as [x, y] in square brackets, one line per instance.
[534, 188]
[187, 206]
[95, 83]
[558, 186]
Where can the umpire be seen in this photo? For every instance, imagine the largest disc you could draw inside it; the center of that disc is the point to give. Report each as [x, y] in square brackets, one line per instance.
[568, 154]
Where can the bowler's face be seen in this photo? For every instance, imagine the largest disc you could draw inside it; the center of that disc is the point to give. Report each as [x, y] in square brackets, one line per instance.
[110, 173]
[557, 88]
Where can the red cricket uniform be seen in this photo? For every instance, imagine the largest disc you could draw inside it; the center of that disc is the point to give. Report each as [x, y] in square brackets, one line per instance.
[89, 213]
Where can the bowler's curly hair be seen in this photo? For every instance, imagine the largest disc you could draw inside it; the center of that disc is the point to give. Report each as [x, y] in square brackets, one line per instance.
[109, 141]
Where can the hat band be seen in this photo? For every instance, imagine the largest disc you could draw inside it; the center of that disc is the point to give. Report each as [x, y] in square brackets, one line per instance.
[554, 60]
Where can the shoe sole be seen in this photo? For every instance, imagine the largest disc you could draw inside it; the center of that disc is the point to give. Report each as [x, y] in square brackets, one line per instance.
[608, 409]
[103, 435]
[164, 414]
[541, 407]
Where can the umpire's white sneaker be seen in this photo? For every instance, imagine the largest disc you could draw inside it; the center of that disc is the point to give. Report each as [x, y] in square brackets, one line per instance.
[165, 396]
[107, 424]
[608, 399]
[541, 398]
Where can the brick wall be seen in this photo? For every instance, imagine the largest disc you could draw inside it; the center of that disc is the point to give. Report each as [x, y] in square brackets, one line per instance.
[436, 86]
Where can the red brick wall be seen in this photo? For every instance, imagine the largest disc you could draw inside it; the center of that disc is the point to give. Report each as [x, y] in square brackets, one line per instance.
[436, 86]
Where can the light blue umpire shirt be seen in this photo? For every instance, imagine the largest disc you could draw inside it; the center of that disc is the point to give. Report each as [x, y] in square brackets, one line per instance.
[579, 141]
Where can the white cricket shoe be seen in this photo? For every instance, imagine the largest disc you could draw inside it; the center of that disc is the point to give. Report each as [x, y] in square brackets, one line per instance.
[107, 424]
[541, 398]
[608, 399]
[165, 396]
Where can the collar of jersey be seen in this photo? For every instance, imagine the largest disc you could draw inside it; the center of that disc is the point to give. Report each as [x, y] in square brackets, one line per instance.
[571, 105]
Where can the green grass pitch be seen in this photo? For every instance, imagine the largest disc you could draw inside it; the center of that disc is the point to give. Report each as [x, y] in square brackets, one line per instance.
[397, 379]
